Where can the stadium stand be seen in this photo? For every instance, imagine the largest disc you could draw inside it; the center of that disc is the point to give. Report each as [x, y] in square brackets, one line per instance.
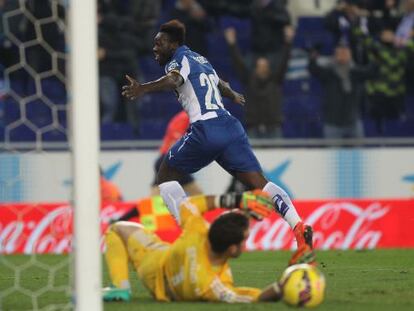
[301, 96]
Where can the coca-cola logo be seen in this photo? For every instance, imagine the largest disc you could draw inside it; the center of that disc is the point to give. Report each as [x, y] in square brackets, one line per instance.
[51, 233]
[337, 225]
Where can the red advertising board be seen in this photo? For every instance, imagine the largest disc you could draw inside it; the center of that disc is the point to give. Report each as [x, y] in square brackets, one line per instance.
[340, 224]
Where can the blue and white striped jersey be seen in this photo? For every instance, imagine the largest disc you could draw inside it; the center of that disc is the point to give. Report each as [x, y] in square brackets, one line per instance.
[199, 94]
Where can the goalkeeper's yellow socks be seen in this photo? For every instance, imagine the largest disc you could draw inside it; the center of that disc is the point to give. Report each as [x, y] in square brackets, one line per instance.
[116, 257]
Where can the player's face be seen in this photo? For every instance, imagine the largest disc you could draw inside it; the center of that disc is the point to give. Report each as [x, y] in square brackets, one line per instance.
[163, 48]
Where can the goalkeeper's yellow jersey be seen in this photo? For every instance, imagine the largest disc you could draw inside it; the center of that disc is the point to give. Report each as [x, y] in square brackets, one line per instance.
[186, 272]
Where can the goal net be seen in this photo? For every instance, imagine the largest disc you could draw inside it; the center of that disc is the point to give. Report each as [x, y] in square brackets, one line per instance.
[49, 224]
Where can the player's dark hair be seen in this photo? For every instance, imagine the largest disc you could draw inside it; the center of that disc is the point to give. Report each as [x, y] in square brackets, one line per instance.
[228, 229]
[175, 30]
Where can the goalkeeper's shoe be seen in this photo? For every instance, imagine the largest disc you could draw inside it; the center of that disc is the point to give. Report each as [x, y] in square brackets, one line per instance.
[116, 294]
[304, 254]
[303, 234]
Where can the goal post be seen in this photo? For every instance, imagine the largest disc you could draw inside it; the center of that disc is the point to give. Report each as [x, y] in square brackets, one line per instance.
[50, 250]
[83, 95]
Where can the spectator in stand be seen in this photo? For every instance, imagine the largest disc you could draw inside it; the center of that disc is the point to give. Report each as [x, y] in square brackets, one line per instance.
[144, 15]
[387, 90]
[9, 54]
[137, 21]
[340, 22]
[405, 30]
[19, 27]
[383, 12]
[2, 36]
[196, 22]
[116, 58]
[176, 128]
[52, 34]
[263, 87]
[139, 18]
[343, 84]
[217, 8]
[109, 191]
[268, 20]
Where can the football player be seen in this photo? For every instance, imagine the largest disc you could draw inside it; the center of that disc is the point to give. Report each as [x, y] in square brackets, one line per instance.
[214, 134]
[194, 267]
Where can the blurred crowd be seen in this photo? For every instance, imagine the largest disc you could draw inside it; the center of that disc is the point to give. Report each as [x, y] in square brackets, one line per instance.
[371, 66]
[369, 72]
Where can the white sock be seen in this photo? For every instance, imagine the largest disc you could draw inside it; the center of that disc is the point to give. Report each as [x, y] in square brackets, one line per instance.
[283, 204]
[173, 195]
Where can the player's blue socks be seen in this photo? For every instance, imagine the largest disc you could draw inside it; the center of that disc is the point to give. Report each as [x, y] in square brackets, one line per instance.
[283, 204]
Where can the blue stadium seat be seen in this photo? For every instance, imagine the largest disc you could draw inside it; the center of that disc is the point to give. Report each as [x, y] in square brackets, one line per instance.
[242, 26]
[20, 82]
[117, 131]
[302, 117]
[159, 105]
[39, 113]
[409, 106]
[22, 133]
[11, 111]
[150, 68]
[391, 128]
[311, 31]
[152, 128]
[54, 90]
[54, 136]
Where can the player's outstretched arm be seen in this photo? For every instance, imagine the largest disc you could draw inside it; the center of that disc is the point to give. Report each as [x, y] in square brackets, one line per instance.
[256, 204]
[220, 291]
[227, 91]
[134, 89]
[272, 293]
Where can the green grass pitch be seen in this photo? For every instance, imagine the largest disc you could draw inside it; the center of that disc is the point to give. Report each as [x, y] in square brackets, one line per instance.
[356, 280]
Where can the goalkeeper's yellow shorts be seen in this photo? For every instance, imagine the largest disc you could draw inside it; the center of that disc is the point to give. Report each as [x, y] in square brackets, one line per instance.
[146, 251]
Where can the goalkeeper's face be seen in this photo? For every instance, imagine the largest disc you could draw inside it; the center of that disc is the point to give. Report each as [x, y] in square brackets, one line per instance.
[236, 250]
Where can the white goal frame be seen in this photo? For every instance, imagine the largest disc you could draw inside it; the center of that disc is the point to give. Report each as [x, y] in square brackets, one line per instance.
[84, 141]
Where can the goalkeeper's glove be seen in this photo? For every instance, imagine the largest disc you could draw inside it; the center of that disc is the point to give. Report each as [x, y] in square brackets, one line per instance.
[256, 204]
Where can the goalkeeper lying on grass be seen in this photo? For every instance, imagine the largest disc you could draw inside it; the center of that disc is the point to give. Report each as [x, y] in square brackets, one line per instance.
[195, 266]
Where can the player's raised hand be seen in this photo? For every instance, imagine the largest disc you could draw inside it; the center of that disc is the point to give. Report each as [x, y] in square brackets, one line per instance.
[133, 90]
[227, 91]
[257, 204]
[239, 98]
